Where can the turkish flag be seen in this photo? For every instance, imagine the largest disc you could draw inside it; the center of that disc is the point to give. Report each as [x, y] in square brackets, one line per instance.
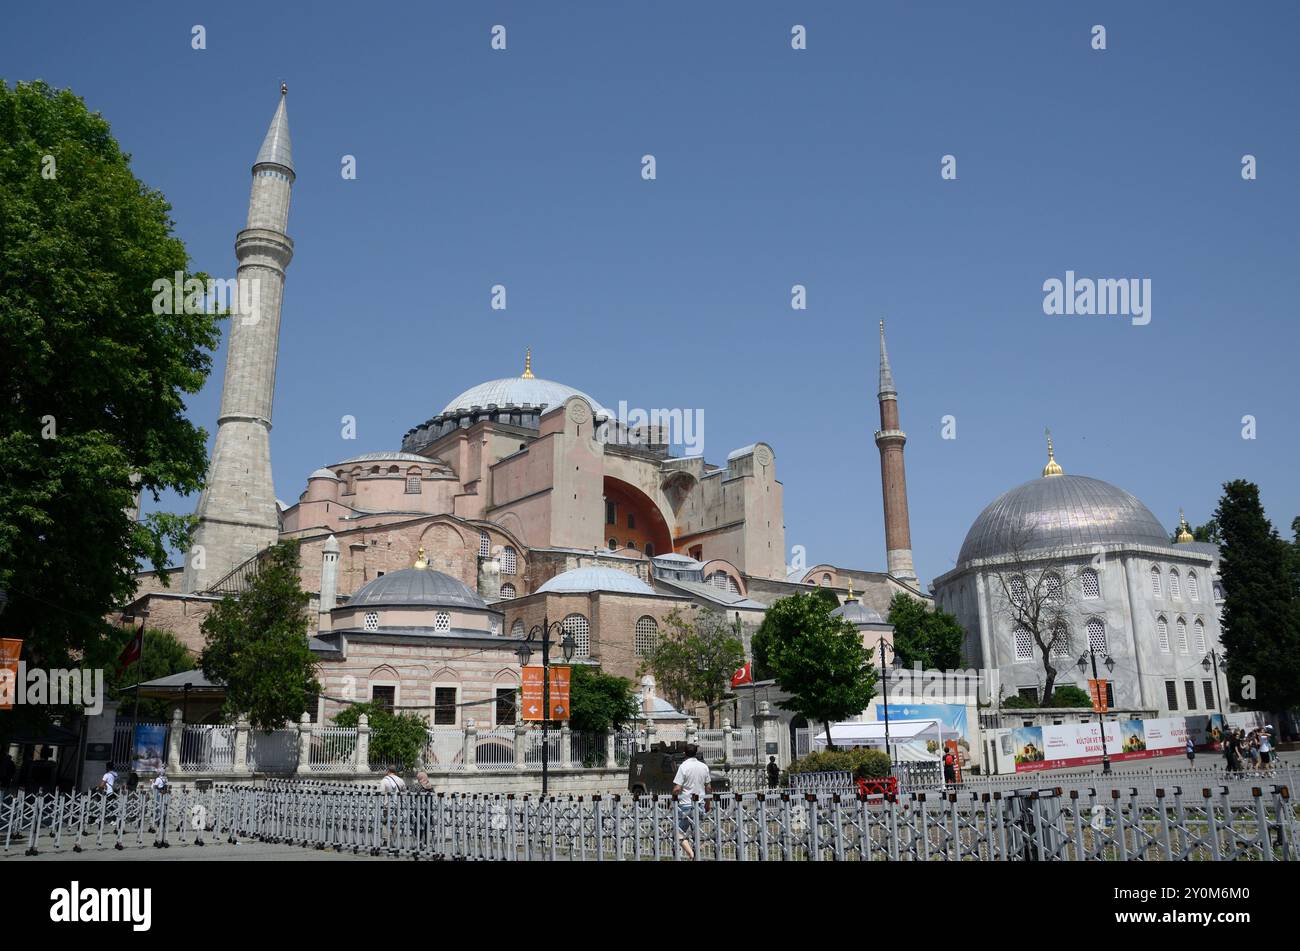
[743, 676]
[131, 653]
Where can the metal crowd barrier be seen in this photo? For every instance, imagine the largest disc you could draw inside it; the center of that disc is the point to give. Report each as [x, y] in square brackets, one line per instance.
[1021, 825]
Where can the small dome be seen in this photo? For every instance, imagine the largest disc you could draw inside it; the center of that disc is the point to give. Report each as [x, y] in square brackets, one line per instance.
[1061, 511]
[323, 474]
[582, 580]
[417, 586]
[858, 613]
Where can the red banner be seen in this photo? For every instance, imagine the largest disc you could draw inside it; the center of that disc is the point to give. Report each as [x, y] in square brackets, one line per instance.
[10, 649]
[743, 676]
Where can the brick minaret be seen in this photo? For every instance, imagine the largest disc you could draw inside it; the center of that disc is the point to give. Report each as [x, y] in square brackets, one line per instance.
[237, 511]
[893, 477]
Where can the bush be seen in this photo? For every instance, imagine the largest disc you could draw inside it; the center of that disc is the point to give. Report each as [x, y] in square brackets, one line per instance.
[394, 738]
[862, 762]
[1070, 696]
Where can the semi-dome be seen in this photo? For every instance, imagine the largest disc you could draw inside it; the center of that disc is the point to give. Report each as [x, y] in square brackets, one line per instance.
[584, 580]
[417, 586]
[856, 612]
[525, 390]
[394, 456]
[1061, 511]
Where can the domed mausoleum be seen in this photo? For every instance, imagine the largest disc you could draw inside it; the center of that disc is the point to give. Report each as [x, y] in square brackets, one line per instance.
[1105, 578]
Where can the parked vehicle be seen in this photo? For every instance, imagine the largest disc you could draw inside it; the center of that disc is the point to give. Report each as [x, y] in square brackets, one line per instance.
[650, 772]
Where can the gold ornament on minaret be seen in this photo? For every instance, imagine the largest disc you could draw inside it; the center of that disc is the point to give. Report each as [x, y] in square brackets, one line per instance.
[1184, 535]
[1053, 468]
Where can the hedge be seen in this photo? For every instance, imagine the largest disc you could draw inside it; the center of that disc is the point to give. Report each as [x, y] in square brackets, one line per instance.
[860, 761]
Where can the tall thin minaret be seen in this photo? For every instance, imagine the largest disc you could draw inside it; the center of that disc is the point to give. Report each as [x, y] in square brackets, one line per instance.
[893, 477]
[237, 511]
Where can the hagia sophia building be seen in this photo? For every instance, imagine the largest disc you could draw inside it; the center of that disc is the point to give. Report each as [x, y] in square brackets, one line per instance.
[525, 499]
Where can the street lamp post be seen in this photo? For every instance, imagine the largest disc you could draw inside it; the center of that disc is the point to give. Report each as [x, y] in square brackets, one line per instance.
[1213, 656]
[525, 653]
[1101, 724]
[884, 693]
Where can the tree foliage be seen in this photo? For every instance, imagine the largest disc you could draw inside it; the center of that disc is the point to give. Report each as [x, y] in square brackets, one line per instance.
[257, 645]
[161, 656]
[695, 658]
[931, 638]
[863, 763]
[599, 702]
[1261, 611]
[92, 382]
[817, 658]
[395, 737]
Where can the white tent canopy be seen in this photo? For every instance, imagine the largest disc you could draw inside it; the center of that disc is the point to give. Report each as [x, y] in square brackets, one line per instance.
[872, 733]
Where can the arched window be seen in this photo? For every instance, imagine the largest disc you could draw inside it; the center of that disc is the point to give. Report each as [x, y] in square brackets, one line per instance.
[1155, 581]
[1174, 590]
[647, 636]
[613, 544]
[442, 622]
[631, 545]
[1193, 590]
[508, 563]
[1055, 587]
[372, 621]
[507, 590]
[1162, 633]
[1018, 590]
[1198, 633]
[1182, 636]
[826, 579]
[1024, 643]
[1091, 584]
[484, 544]
[1096, 635]
[577, 626]
[517, 629]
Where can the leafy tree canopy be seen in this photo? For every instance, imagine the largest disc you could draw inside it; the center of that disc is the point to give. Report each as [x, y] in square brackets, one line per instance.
[599, 702]
[817, 658]
[92, 381]
[257, 645]
[931, 638]
[695, 658]
[395, 738]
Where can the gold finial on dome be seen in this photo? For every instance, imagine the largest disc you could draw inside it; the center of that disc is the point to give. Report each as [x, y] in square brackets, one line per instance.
[1184, 535]
[528, 364]
[851, 597]
[1053, 468]
[419, 559]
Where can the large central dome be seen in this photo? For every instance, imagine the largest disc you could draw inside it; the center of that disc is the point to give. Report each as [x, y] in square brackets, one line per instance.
[1061, 511]
[526, 390]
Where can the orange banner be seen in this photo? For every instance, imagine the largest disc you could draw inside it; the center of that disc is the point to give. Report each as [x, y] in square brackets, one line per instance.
[533, 700]
[10, 649]
[1098, 690]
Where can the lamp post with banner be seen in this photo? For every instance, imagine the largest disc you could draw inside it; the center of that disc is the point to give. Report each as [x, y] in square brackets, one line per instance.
[1099, 697]
[525, 653]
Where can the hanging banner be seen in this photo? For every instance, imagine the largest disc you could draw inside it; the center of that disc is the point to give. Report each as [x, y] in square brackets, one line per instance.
[10, 649]
[1097, 688]
[1079, 744]
[533, 694]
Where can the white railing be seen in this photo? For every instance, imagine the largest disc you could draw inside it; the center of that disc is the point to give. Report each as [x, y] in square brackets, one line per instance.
[208, 749]
[444, 750]
[533, 748]
[274, 752]
[587, 750]
[333, 749]
[495, 749]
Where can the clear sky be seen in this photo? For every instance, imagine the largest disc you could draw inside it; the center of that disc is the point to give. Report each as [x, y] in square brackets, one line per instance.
[775, 167]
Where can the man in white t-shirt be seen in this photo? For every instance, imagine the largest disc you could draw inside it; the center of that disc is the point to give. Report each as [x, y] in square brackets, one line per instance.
[109, 780]
[691, 785]
[391, 782]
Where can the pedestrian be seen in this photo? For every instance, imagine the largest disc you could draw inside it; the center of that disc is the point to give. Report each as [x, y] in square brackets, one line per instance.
[949, 767]
[422, 782]
[1191, 752]
[8, 770]
[107, 781]
[773, 773]
[1252, 749]
[1266, 748]
[160, 784]
[392, 783]
[691, 785]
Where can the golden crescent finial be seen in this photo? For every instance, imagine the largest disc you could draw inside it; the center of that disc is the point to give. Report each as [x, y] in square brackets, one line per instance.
[1053, 468]
[419, 559]
[528, 364]
[1184, 535]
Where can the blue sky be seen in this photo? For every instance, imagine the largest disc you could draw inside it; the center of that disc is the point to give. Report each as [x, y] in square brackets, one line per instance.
[775, 167]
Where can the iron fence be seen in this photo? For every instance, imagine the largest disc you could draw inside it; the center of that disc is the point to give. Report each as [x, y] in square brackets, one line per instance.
[208, 749]
[273, 752]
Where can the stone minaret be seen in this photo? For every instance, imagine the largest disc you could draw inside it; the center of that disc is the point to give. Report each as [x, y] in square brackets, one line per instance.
[237, 511]
[893, 477]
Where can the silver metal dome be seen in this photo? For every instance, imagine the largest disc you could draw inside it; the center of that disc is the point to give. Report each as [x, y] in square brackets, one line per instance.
[1062, 511]
[519, 391]
[855, 612]
[417, 586]
[595, 578]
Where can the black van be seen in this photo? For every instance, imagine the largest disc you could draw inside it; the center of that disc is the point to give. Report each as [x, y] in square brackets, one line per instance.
[651, 771]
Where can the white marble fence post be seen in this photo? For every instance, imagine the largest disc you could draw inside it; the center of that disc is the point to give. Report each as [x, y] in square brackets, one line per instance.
[727, 740]
[611, 750]
[770, 734]
[691, 732]
[469, 753]
[361, 755]
[242, 729]
[521, 745]
[566, 745]
[174, 737]
[649, 734]
[304, 745]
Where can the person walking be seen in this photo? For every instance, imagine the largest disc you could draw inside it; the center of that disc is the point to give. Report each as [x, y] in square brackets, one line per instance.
[422, 783]
[949, 767]
[108, 780]
[1191, 752]
[1252, 749]
[392, 783]
[691, 785]
[1266, 748]
[773, 773]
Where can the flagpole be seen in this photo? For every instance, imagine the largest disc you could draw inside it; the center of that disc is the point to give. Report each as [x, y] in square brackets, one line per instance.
[135, 714]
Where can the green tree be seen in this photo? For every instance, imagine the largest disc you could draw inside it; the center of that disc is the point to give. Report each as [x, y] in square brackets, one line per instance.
[257, 645]
[1261, 611]
[599, 702]
[395, 738]
[161, 656]
[1068, 695]
[92, 381]
[695, 658]
[817, 658]
[931, 638]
